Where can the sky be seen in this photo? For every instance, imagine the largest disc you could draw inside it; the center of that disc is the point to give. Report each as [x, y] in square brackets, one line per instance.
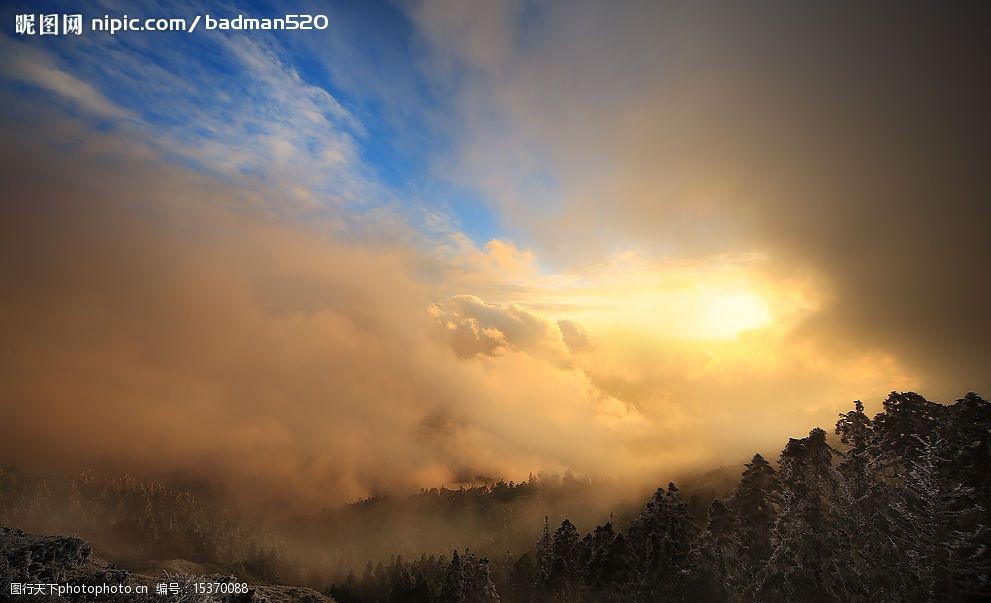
[442, 242]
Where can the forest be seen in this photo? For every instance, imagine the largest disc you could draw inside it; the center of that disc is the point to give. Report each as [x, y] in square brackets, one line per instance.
[889, 508]
[900, 513]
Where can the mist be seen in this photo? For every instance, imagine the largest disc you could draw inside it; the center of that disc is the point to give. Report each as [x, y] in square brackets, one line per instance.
[170, 324]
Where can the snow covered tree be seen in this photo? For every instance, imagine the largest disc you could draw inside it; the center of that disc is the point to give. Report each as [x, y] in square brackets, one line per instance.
[907, 420]
[565, 573]
[660, 543]
[755, 503]
[967, 447]
[933, 533]
[719, 574]
[607, 566]
[856, 430]
[808, 539]
[467, 581]
[544, 558]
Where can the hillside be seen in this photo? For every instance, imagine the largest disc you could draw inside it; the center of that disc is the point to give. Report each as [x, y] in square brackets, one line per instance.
[896, 508]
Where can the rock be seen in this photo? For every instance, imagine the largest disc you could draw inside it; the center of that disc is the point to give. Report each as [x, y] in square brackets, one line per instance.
[39, 559]
[30, 559]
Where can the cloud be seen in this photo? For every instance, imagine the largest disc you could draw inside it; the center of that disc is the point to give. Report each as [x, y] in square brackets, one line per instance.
[30, 66]
[682, 130]
[246, 111]
[186, 331]
[575, 337]
[477, 327]
[189, 331]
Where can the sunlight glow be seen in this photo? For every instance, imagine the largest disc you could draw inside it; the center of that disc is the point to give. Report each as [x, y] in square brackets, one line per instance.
[692, 313]
[709, 299]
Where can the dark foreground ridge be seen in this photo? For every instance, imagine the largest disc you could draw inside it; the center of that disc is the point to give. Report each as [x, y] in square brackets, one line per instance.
[27, 559]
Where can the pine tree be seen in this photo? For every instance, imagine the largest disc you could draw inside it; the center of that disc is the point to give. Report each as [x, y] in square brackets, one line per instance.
[856, 430]
[606, 565]
[907, 420]
[755, 502]
[523, 579]
[968, 455]
[719, 574]
[565, 574]
[661, 539]
[929, 520]
[865, 495]
[453, 588]
[967, 448]
[468, 581]
[502, 575]
[808, 540]
[420, 592]
[543, 561]
[478, 581]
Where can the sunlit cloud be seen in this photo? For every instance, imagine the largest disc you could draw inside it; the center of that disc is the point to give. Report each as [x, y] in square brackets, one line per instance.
[706, 299]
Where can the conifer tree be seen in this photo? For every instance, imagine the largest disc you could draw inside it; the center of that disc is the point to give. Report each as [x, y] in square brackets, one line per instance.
[523, 579]
[544, 557]
[660, 540]
[856, 430]
[565, 574]
[908, 420]
[755, 503]
[934, 530]
[805, 563]
[453, 588]
[607, 565]
[719, 574]
[477, 586]
[967, 447]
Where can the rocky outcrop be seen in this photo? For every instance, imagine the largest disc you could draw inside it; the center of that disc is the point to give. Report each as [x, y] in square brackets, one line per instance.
[31, 559]
[26, 558]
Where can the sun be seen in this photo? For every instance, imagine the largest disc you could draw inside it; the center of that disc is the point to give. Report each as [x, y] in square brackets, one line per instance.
[692, 313]
[726, 316]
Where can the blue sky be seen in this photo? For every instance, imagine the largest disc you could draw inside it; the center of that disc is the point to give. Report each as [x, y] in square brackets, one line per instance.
[346, 112]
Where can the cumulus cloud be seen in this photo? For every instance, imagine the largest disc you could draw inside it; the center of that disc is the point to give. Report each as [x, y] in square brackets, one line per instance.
[477, 327]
